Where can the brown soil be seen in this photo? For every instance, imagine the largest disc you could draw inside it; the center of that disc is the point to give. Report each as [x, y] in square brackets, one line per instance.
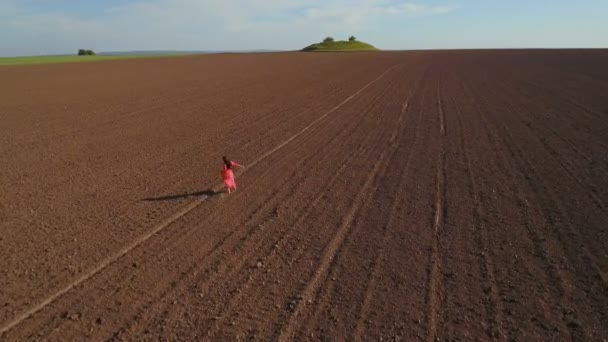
[457, 195]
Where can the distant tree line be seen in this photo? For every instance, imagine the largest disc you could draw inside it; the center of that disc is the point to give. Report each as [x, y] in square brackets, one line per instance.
[83, 52]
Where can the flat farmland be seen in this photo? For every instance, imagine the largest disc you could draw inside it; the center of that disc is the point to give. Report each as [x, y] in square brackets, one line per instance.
[436, 195]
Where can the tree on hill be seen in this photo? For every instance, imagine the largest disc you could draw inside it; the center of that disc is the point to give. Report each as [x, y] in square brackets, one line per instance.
[352, 39]
[328, 40]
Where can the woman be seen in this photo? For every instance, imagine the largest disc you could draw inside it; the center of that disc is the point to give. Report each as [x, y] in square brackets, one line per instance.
[228, 175]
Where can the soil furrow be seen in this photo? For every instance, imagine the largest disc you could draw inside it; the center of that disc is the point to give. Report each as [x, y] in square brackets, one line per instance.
[434, 284]
[311, 288]
[495, 308]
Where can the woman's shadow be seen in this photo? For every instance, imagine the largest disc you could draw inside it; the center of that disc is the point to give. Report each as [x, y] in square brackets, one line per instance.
[206, 194]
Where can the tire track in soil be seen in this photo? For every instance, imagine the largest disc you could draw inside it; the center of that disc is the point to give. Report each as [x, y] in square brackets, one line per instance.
[379, 258]
[169, 220]
[312, 286]
[434, 294]
[331, 293]
[314, 316]
[311, 291]
[488, 265]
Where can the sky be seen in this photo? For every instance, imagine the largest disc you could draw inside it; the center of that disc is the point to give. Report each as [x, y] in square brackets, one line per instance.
[38, 27]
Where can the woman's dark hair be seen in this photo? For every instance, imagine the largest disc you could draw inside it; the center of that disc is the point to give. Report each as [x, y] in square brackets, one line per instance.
[227, 162]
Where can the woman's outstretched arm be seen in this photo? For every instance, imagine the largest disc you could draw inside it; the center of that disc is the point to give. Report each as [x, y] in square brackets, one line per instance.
[237, 164]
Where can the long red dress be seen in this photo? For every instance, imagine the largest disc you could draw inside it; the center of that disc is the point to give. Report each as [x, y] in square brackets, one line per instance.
[228, 175]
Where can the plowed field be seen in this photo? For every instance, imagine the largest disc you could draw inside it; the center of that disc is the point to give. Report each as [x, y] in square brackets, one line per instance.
[455, 195]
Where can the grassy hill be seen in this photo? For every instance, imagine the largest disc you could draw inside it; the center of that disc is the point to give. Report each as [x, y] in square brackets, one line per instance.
[341, 45]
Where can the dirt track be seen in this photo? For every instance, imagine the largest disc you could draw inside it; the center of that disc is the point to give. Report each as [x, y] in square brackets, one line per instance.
[453, 195]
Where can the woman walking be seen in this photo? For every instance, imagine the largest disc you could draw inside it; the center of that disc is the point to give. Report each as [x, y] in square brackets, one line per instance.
[228, 175]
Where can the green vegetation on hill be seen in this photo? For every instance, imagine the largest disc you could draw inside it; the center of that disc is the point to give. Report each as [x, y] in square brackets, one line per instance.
[329, 44]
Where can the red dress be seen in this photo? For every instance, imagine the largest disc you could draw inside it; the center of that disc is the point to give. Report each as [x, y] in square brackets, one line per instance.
[228, 175]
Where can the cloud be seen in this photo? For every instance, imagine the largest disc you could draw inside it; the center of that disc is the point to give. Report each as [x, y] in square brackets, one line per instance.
[414, 9]
[368, 11]
[191, 24]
